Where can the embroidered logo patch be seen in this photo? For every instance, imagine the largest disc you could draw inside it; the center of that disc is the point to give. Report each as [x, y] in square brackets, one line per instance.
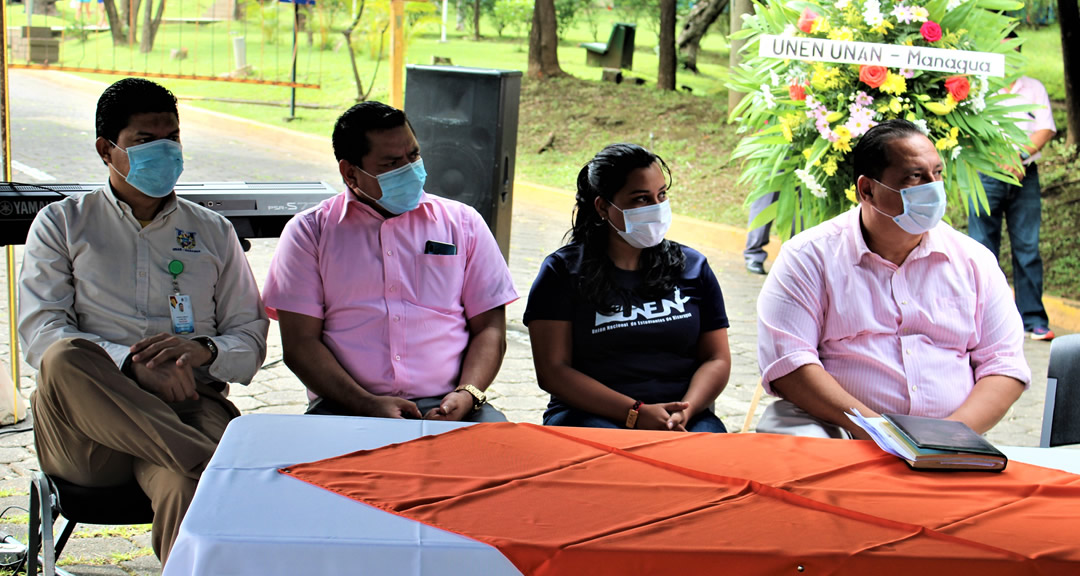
[186, 240]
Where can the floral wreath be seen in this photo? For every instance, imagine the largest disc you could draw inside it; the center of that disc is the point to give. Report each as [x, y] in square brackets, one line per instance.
[801, 119]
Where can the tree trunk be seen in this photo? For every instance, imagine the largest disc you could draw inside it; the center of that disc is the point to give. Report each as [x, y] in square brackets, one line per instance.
[150, 26]
[116, 26]
[544, 42]
[476, 20]
[665, 77]
[1069, 20]
[738, 8]
[699, 20]
[130, 17]
[360, 96]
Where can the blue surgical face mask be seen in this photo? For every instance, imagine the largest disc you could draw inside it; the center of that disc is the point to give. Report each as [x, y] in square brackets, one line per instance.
[401, 187]
[154, 167]
[924, 206]
[645, 226]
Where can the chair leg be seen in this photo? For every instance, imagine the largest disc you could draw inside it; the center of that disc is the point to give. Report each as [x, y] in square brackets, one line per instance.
[34, 534]
[42, 502]
[66, 528]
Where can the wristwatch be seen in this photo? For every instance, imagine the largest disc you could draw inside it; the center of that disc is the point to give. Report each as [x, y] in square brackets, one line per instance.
[208, 342]
[478, 396]
[631, 417]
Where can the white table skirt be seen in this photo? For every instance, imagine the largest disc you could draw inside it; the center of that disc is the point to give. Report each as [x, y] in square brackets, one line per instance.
[247, 518]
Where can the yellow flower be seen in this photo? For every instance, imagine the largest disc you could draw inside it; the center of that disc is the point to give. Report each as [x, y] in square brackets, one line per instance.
[949, 141]
[895, 84]
[942, 108]
[807, 152]
[894, 105]
[820, 25]
[843, 143]
[843, 34]
[881, 28]
[825, 77]
[830, 166]
[850, 194]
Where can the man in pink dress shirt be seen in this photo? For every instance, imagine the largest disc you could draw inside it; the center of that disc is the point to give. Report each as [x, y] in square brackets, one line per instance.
[883, 309]
[391, 302]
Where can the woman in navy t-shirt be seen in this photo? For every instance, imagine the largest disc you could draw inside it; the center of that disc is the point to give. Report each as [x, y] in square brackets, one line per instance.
[628, 329]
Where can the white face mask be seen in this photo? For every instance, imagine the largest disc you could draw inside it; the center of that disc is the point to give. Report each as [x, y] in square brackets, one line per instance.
[645, 226]
[924, 206]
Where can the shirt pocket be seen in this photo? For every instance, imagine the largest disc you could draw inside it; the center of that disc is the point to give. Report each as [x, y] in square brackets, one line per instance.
[953, 320]
[439, 282]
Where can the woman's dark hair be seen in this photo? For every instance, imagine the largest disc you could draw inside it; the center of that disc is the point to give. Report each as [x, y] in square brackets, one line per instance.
[604, 176]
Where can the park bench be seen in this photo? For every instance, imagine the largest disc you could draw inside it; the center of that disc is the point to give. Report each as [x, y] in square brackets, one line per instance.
[617, 53]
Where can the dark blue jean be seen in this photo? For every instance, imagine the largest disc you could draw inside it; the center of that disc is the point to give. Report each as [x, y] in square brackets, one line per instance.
[1021, 208]
[705, 421]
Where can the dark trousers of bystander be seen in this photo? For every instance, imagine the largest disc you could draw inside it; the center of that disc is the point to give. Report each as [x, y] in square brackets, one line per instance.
[1021, 209]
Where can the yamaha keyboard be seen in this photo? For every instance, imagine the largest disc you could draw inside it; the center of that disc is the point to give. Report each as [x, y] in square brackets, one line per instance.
[256, 209]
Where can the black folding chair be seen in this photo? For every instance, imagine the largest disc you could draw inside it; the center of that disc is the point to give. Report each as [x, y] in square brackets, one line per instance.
[53, 499]
[1061, 413]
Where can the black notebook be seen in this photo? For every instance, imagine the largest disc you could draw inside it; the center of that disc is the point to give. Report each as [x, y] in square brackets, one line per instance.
[945, 444]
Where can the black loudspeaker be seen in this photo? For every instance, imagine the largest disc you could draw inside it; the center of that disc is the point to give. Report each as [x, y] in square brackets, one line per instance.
[466, 120]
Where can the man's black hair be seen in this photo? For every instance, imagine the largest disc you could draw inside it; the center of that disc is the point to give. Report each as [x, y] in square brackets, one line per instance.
[129, 97]
[871, 154]
[350, 137]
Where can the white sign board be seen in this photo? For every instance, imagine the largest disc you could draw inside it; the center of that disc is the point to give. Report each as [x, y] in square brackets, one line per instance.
[888, 55]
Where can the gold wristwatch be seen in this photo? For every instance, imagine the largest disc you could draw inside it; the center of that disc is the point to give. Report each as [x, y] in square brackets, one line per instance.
[478, 396]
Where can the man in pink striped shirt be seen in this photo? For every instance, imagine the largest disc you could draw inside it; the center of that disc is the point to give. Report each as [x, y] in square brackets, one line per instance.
[391, 302]
[883, 309]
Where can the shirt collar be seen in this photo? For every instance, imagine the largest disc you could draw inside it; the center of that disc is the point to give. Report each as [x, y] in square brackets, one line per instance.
[124, 208]
[347, 200]
[931, 241]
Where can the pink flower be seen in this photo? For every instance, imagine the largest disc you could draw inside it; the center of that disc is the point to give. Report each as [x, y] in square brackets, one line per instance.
[930, 31]
[806, 21]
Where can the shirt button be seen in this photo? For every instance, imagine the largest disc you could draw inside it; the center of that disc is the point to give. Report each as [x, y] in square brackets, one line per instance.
[142, 274]
[397, 357]
[389, 252]
[392, 288]
[913, 388]
[397, 318]
[903, 302]
[908, 351]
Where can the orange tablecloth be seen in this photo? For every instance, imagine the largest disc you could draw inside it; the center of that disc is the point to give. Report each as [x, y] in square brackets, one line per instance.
[574, 501]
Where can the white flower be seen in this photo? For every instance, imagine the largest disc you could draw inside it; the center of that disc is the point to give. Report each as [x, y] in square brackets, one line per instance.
[841, 4]
[903, 14]
[956, 152]
[811, 183]
[767, 95]
[774, 78]
[920, 14]
[954, 4]
[789, 31]
[921, 125]
[978, 101]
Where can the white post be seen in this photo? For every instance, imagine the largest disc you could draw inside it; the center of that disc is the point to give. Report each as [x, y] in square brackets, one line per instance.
[443, 38]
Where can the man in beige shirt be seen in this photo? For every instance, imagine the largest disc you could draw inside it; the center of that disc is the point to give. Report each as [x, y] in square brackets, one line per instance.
[137, 307]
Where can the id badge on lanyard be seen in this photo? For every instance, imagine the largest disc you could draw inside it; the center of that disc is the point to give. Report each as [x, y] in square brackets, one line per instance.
[183, 317]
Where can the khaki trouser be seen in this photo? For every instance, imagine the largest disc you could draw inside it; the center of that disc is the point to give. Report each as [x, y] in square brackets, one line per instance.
[96, 427]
